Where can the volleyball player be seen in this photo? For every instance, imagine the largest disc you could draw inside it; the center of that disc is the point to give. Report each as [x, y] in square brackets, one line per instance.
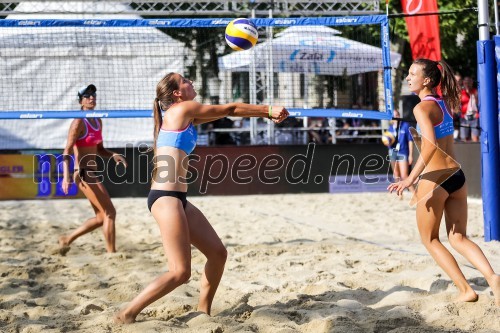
[181, 223]
[441, 185]
[85, 140]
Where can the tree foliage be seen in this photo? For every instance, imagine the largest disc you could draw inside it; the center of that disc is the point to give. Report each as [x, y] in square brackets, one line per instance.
[458, 33]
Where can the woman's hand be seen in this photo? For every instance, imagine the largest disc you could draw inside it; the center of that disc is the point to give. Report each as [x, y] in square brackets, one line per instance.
[65, 185]
[400, 186]
[120, 159]
[279, 113]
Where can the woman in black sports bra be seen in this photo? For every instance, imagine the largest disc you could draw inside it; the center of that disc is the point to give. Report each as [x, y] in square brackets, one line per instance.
[441, 183]
[181, 223]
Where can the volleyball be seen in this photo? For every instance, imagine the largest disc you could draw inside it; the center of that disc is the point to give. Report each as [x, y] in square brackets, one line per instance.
[241, 34]
[388, 138]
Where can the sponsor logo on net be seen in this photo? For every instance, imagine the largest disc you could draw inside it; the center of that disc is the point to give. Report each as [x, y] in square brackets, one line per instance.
[284, 21]
[346, 20]
[29, 23]
[97, 115]
[30, 116]
[94, 22]
[352, 114]
[386, 36]
[160, 22]
[220, 22]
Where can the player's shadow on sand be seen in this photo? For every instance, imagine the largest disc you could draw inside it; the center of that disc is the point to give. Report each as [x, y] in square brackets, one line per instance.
[339, 311]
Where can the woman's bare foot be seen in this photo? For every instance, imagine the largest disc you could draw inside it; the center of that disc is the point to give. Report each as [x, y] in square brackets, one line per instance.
[468, 296]
[495, 287]
[63, 245]
[120, 318]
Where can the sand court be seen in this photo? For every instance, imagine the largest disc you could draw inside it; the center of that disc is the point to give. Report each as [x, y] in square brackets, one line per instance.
[297, 263]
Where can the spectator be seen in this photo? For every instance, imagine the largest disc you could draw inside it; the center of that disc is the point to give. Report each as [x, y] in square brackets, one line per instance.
[469, 120]
[317, 133]
[223, 138]
[457, 112]
[401, 151]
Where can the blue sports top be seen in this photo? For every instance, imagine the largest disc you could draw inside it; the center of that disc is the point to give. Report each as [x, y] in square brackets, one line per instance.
[184, 139]
[403, 138]
[445, 127]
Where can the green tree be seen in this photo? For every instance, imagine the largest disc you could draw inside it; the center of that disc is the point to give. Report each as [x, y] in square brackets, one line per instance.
[458, 34]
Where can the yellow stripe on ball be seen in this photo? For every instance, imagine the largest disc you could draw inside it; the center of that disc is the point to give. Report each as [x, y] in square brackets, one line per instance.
[235, 32]
[241, 34]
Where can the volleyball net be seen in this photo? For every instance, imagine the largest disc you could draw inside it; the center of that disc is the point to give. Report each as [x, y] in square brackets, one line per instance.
[336, 67]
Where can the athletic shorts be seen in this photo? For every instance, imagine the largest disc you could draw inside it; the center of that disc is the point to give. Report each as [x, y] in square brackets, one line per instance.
[399, 158]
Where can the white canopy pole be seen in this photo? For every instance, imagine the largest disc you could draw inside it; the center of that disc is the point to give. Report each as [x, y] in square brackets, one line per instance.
[270, 78]
[495, 6]
[253, 93]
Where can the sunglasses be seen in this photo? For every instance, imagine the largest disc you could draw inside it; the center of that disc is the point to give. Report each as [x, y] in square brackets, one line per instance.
[87, 95]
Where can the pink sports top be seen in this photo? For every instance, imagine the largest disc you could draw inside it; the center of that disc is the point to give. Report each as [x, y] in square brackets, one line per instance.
[92, 136]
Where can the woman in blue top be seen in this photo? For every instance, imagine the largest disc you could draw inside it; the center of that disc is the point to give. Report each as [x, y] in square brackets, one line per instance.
[181, 223]
[441, 182]
[401, 152]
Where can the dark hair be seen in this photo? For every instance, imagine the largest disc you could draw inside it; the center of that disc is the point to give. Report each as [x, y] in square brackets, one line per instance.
[449, 85]
[163, 100]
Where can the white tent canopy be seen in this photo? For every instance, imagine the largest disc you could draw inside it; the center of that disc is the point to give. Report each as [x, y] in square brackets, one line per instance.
[125, 67]
[310, 49]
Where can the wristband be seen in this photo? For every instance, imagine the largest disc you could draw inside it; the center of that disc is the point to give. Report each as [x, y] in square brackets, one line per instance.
[270, 112]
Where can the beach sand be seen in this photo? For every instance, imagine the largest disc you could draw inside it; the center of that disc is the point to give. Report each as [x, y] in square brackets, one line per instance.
[297, 263]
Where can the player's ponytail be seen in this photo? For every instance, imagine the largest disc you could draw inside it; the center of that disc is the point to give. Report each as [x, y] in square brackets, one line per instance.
[163, 99]
[158, 120]
[449, 86]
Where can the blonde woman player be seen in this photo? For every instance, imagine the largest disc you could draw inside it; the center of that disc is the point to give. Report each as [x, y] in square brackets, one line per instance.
[181, 223]
[85, 139]
[441, 187]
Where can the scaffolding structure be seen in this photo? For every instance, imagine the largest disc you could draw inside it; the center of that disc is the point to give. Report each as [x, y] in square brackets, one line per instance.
[261, 84]
[218, 8]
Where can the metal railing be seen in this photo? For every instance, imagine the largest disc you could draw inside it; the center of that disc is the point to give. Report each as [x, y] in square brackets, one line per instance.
[300, 135]
[198, 7]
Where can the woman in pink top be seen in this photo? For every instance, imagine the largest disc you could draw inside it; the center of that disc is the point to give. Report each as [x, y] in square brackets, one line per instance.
[85, 140]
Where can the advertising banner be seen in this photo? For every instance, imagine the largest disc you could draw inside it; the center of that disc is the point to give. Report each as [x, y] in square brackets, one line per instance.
[423, 30]
[33, 177]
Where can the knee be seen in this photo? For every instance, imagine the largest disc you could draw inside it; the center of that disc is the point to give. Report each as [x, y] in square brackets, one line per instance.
[218, 255]
[182, 275]
[110, 213]
[428, 242]
[222, 254]
[456, 239]
[99, 219]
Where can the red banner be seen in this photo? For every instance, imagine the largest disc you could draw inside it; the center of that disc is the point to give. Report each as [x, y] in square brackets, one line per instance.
[423, 30]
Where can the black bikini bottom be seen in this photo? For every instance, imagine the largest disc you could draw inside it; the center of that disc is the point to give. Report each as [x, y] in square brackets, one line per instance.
[454, 182]
[156, 194]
